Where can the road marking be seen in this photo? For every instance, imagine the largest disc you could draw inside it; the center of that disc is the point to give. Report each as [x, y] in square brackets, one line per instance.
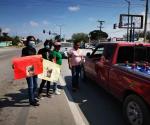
[77, 113]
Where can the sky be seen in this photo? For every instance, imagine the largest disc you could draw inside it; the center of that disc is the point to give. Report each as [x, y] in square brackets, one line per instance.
[30, 17]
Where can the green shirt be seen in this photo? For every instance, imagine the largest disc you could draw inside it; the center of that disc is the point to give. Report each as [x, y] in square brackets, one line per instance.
[58, 56]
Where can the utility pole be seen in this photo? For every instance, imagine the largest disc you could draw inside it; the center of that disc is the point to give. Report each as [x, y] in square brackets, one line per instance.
[146, 17]
[100, 26]
[128, 19]
[0, 31]
[60, 29]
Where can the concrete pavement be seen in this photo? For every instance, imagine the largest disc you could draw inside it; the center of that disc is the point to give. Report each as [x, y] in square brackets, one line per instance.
[14, 107]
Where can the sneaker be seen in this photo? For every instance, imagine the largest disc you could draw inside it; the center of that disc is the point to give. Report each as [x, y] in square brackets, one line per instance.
[36, 100]
[57, 93]
[34, 104]
[59, 90]
[49, 95]
[40, 97]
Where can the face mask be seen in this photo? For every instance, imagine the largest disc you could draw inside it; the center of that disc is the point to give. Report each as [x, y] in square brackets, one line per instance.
[32, 44]
[47, 47]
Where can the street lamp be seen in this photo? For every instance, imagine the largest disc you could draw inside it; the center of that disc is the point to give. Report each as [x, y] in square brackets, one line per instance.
[60, 29]
[129, 3]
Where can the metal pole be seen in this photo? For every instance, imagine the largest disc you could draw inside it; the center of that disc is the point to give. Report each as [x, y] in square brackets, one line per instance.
[100, 27]
[60, 32]
[128, 19]
[146, 15]
[131, 29]
[133, 33]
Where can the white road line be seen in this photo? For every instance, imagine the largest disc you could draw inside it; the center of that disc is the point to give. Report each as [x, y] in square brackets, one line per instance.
[77, 113]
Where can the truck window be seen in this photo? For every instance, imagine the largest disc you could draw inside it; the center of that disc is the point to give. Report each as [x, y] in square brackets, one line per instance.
[148, 54]
[140, 54]
[133, 54]
[98, 52]
[125, 54]
[109, 50]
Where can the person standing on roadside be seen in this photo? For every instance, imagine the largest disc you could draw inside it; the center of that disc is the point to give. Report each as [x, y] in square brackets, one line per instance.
[74, 60]
[46, 54]
[31, 81]
[57, 58]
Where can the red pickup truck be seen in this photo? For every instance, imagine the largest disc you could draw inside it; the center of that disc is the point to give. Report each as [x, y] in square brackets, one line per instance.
[123, 69]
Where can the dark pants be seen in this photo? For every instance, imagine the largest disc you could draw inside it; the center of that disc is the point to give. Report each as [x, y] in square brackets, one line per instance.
[54, 87]
[32, 87]
[75, 76]
[42, 85]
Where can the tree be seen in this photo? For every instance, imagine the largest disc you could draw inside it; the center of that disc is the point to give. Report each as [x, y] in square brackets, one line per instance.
[141, 34]
[5, 37]
[5, 34]
[15, 40]
[97, 35]
[69, 40]
[57, 37]
[80, 37]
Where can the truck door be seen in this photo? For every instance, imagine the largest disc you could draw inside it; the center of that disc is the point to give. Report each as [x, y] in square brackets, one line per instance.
[104, 65]
[92, 61]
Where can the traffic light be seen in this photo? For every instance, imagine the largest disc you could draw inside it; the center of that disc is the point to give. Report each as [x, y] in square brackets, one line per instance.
[43, 31]
[114, 26]
[49, 33]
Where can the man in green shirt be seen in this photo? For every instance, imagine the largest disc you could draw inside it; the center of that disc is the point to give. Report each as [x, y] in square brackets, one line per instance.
[57, 58]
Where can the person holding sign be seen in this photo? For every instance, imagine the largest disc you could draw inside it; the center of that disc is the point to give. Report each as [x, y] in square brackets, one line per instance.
[57, 58]
[46, 54]
[31, 78]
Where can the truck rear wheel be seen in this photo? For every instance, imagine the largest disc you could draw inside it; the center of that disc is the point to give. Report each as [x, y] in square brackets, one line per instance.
[136, 111]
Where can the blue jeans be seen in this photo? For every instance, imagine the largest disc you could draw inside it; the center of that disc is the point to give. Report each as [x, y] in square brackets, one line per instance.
[54, 87]
[75, 75]
[32, 87]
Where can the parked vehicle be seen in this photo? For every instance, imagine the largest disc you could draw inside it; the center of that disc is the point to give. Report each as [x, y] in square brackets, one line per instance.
[65, 47]
[123, 69]
[64, 53]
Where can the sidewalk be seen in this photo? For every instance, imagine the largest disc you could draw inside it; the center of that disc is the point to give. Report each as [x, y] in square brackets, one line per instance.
[52, 111]
[15, 108]
[58, 110]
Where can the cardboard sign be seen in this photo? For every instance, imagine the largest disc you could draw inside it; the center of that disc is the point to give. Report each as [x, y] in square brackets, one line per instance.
[51, 71]
[27, 66]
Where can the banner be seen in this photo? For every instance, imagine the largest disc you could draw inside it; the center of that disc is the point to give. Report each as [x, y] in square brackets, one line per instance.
[27, 66]
[51, 71]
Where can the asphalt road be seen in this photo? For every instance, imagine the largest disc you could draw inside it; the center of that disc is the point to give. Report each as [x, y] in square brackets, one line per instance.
[98, 106]
[95, 106]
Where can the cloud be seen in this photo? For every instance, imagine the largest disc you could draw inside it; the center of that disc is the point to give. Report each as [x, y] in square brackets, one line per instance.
[74, 8]
[91, 19]
[7, 30]
[45, 22]
[34, 24]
